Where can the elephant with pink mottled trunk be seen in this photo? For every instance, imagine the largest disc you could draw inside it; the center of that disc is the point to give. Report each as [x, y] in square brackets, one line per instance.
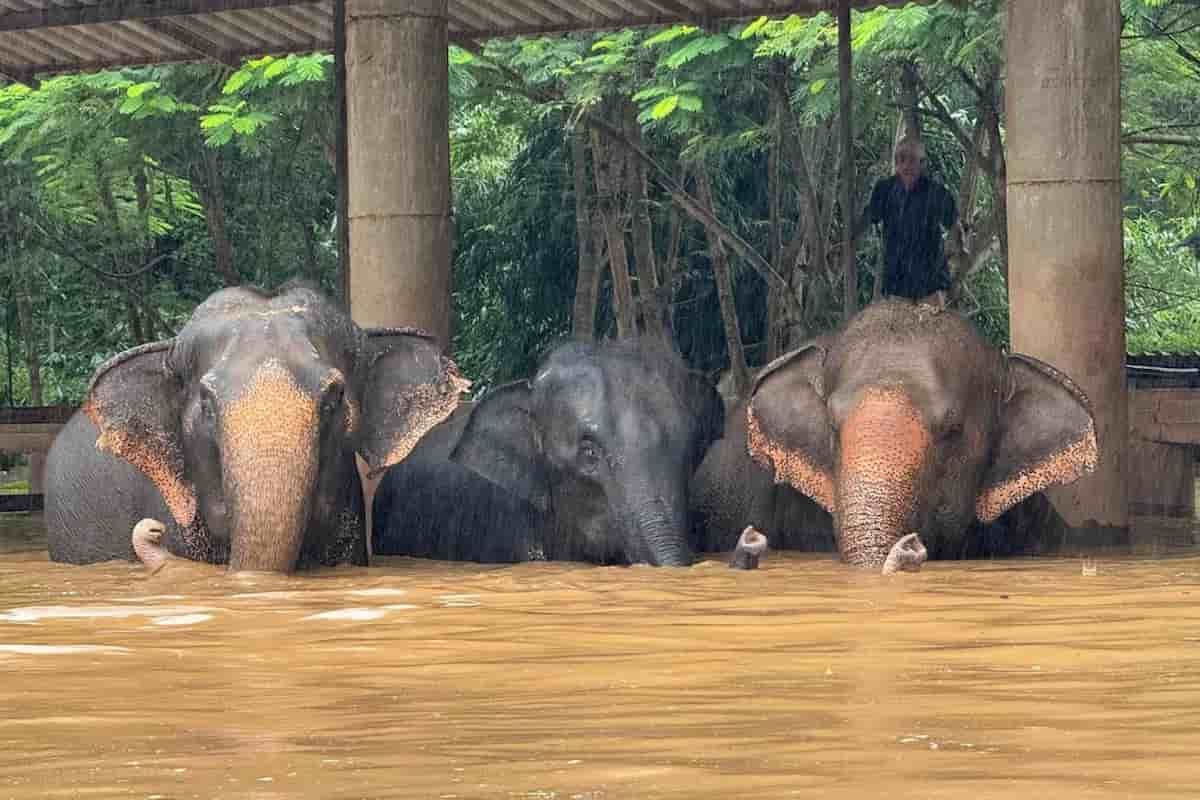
[241, 433]
[904, 421]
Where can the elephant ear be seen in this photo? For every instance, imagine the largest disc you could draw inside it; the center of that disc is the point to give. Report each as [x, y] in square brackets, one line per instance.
[1046, 436]
[501, 442]
[408, 388]
[788, 431]
[134, 400]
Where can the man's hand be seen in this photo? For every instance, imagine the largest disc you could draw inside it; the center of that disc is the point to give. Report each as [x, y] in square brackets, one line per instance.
[938, 299]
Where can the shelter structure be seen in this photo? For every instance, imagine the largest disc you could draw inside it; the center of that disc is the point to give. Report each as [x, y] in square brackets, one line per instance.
[1063, 164]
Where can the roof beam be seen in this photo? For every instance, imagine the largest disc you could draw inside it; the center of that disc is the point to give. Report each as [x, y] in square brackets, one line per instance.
[58, 16]
[197, 44]
[201, 34]
[59, 68]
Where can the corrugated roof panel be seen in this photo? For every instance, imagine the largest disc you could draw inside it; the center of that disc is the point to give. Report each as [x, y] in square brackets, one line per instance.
[42, 36]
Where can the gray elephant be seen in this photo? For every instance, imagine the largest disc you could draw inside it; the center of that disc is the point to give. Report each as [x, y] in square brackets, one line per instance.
[588, 461]
[906, 420]
[241, 432]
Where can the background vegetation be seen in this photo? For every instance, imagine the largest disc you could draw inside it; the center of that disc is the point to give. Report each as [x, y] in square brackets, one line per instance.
[683, 179]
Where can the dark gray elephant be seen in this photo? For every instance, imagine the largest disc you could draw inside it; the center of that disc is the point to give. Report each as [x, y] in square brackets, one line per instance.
[241, 432]
[906, 420]
[588, 461]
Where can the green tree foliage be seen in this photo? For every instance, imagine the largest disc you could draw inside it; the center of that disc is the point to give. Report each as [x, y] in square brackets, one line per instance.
[132, 194]
[514, 236]
[116, 181]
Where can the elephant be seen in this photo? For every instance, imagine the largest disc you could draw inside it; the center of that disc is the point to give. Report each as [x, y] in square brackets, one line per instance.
[240, 433]
[587, 461]
[906, 420]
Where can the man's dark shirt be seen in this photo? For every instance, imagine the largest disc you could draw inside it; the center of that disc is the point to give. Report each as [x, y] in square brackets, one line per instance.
[914, 264]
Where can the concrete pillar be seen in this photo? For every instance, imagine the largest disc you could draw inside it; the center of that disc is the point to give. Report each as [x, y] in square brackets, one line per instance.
[37, 472]
[1066, 278]
[397, 107]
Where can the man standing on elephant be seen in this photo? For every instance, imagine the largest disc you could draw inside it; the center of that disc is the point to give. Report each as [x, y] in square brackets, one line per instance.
[913, 209]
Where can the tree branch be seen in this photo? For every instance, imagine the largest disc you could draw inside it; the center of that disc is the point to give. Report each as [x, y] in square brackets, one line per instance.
[666, 180]
[64, 249]
[1178, 141]
[1165, 127]
[941, 113]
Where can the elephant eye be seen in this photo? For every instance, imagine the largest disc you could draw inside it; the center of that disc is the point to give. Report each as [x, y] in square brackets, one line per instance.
[208, 405]
[589, 455]
[333, 399]
[951, 430]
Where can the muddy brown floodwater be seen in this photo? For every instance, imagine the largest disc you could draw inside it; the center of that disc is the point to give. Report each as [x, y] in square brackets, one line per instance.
[420, 679]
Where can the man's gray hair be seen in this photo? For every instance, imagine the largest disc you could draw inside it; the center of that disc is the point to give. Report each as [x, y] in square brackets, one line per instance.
[912, 145]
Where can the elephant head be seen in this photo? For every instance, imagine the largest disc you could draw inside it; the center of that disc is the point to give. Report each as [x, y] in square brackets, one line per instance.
[248, 420]
[603, 441]
[907, 420]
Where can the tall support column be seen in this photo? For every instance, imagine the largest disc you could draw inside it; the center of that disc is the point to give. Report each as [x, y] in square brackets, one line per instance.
[397, 93]
[846, 93]
[37, 472]
[340, 153]
[1066, 271]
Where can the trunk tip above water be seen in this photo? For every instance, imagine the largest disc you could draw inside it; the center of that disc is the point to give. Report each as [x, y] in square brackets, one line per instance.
[750, 546]
[147, 544]
[907, 555]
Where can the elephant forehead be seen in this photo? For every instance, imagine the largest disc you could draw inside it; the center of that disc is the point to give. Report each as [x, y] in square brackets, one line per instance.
[270, 410]
[941, 382]
[236, 348]
[885, 434]
[626, 413]
[580, 396]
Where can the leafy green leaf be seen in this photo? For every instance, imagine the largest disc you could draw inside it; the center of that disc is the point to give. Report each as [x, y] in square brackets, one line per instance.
[650, 93]
[209, 121]
[139, 89]
[238, 79]
[244, 125]
[220, 136]
[259, 117]
[705, 45]
[670, 35]
[131, 105]
[664, 108]
[276, 69]
[753, 28]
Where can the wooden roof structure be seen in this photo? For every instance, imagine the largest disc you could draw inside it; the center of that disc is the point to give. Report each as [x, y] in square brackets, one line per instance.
[45, 37]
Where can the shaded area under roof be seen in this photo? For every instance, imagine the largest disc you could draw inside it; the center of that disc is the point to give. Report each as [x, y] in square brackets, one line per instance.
[43, 37]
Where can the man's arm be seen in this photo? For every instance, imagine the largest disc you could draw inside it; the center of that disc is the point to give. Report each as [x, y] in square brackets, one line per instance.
[872, 214]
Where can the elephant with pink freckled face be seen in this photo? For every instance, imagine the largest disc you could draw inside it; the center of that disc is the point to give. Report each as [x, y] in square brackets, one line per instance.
[904, 421]
[240, 435]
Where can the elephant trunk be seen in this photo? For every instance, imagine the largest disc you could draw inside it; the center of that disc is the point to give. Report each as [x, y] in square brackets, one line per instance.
[270, 468]
[885, 446]
[659, 527]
